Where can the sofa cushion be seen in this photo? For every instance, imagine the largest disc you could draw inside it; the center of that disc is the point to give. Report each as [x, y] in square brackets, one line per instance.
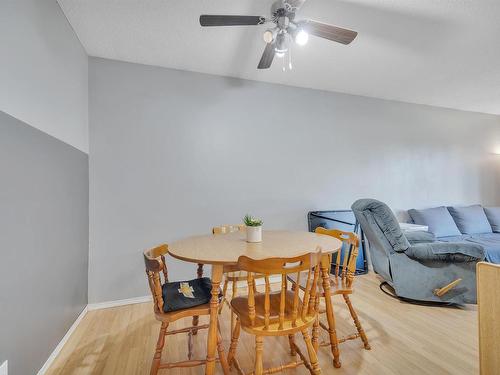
[438, 219]
[470, 219]
[491, 244]
[493, 216]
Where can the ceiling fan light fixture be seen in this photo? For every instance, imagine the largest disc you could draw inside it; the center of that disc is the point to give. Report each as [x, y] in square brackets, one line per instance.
[301, 37]
[281, 45]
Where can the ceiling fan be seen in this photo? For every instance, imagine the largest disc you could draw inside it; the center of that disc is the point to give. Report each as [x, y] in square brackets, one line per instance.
[285, 29]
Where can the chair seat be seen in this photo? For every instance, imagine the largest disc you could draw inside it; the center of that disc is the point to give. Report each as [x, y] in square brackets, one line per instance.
[337, 285]
[182, 295]
[240, 308]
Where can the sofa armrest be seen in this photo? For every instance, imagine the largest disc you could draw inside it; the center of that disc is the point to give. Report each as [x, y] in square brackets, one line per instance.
[446, 251]
[416, 237]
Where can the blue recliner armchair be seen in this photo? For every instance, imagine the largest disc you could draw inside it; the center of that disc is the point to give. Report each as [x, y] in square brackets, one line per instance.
[419, 271]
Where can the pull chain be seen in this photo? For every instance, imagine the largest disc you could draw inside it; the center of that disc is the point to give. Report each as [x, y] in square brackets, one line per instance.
[290, 66]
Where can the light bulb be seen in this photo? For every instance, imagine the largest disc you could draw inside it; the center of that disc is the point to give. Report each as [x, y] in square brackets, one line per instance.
[268, 36]
[301, 37]
[280, 54]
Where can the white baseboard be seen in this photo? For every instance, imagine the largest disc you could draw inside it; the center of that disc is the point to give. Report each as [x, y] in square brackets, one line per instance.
[120, 302]
[63, 341]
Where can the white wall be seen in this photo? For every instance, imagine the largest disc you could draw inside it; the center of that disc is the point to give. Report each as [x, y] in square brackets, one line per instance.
[174, 153]
[44, 70]
[44, 243]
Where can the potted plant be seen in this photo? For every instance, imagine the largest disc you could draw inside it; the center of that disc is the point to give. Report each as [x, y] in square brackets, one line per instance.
[254, 228]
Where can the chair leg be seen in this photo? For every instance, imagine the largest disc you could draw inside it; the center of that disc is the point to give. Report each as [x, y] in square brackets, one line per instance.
[330, 316]
[357, 323]
[291, 341]
[222, 355]
[159, 348]
[199, 274]
[190, 345]
[235, 291]
[224, 291]
[315, 334]
[259, 344]
[313, 357]
[234, 342]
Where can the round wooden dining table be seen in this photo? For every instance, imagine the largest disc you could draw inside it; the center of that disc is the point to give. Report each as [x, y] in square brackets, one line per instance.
[223, 251]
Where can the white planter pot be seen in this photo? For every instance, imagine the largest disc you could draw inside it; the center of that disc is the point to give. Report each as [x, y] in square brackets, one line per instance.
[254, 234]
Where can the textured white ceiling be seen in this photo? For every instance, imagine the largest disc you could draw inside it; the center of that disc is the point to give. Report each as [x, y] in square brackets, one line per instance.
[438, 52]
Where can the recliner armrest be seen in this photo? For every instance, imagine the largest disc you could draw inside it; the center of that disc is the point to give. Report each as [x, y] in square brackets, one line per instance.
[446, 251]
[420, 237]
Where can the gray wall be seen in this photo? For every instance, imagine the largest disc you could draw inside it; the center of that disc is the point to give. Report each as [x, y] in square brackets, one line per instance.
[43, 243]
[43, 70]
[173, 153]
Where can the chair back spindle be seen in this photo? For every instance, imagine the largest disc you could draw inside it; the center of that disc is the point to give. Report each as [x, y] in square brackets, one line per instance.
[251, 298]
[267, 302]
[295, 303]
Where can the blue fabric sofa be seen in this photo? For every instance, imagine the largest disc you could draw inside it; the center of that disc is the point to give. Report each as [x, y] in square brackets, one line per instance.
[470, 224]
[417, 269]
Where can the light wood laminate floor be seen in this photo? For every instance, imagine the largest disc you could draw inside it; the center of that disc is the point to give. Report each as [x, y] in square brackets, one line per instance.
[405, 339]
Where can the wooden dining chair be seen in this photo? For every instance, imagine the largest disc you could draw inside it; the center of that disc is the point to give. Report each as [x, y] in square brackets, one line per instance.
[231, 276]
[156, 268]
[281, 313]
[341, 282]
[488, 307]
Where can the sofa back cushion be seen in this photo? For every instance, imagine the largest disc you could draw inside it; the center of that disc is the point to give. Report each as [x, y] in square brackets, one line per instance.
[470, 219]
[493, 215]
[438, 219]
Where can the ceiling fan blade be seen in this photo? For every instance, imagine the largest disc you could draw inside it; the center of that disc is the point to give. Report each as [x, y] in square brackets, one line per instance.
[222, 20]
[330, 32]
[267, 57]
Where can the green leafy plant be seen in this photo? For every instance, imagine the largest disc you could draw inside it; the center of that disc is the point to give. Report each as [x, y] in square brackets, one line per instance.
[252, 221]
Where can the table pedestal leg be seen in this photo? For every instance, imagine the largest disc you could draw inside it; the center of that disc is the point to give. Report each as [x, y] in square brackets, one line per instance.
[332, 332]
[212, 330]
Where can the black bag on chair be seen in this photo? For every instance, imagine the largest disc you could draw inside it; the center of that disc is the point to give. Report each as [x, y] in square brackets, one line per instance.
[180, 295]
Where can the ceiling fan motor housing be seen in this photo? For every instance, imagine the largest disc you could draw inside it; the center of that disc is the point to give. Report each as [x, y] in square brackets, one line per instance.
[279, 13]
